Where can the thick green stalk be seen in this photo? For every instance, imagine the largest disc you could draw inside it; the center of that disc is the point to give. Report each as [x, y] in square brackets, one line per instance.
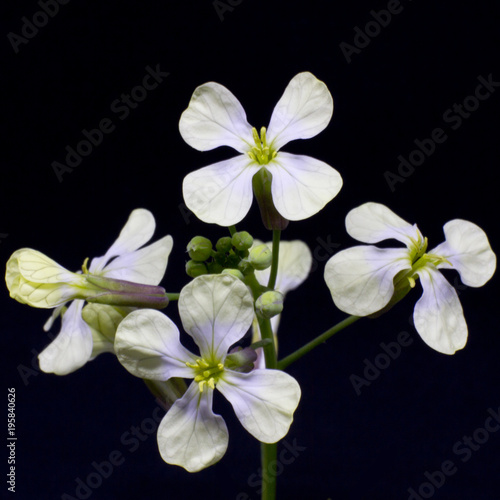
[274, 265]
[268, 455]
[316, 342]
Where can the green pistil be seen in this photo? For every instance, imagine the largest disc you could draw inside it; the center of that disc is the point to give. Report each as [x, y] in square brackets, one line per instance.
[261, 153]
[84, 266]
[418, 249]
[206, 373]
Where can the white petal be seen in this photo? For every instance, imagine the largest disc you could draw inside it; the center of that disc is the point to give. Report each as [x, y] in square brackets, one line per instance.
[190, 434]
[36, 267]
[215, 118]
[374, 222]
[294, 265]
[138, 230]
[147, 345]
[146, 266]
[72, 347]
[42, 295]
[469, 251]
[361, 278]
[55, 314]
[438, 315]
[103, 321]
[301, 186]
[304, 110]
[216, 310]
[263, 400]
[222, 192]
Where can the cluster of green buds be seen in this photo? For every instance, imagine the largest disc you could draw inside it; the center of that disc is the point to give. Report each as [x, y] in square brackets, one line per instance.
[231, 255]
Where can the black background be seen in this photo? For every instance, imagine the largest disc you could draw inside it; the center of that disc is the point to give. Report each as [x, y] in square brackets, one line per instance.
[374, 445]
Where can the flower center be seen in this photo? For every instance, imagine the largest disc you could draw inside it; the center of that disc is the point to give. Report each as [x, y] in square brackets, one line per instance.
[206, 373]
[422, 261]
[261, 153]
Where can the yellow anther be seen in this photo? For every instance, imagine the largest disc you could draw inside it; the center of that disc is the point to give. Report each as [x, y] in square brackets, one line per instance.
[412, 281]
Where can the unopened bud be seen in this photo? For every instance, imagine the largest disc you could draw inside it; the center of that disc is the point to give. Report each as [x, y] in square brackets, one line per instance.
[234, 272]
[242, 240]
[224, 244]
[199, 248]
[260, 257]
[195, 269]
[269, 304]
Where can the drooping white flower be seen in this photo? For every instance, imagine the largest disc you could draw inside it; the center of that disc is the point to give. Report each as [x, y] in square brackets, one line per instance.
[216, 311]
[36, 280]
[363, 279]
[222, 192]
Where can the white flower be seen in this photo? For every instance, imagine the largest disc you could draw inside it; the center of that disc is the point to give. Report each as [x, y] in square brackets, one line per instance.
[37, 280]
[363, 279]
[222, 192]
[216, 311]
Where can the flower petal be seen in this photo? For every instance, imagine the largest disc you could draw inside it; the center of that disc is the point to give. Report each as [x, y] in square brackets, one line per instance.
[438, 315]
[304, 110]
[103, 321]
[263, 400]
[42, 295]
[222, 192]
[72, 347]
[190, 434]
[215, 118]
[36, 267]
[216, 310]
[468, 250]
[147, 345]
[294, 265]
[374, 222]
[301, 186]
[146, 266]
[138, 230]
[360, 278]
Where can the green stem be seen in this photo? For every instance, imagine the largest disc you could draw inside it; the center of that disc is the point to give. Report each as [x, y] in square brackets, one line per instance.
[274, 265]
[317, 341]
[172, 296]
[266, 333]
[232, 229]
[268, 455]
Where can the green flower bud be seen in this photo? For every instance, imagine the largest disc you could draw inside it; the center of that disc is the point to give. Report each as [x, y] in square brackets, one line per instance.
[260, 257]
[224, 244]
[269, 304]
[195, 269]
[242, 240]
[215, 267]
[234, 272]
[199, 248]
